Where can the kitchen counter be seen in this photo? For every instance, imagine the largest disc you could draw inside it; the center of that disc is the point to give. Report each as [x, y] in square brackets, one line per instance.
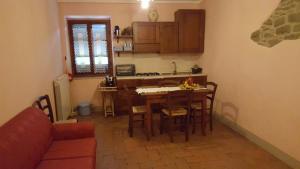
[162, 76]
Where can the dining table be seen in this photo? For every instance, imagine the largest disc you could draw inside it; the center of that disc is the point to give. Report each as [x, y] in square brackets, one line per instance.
[157, 95]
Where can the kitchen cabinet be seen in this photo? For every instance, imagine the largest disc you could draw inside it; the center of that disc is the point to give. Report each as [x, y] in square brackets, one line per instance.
[191, 30]
[146, 37]
[168, 37]
[185, 35]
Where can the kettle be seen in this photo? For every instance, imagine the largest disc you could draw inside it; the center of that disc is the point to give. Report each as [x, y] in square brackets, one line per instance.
[196, 69]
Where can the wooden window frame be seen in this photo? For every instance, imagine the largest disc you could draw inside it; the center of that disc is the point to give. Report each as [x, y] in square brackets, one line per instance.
[90, 44]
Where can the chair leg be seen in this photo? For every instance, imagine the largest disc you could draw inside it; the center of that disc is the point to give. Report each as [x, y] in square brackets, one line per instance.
[152, 129]
[143, 120]
[170, 129]
[186, 128]
[194, 122]
[161, 126]
[130, 126]
[211, 119]
[191, 118]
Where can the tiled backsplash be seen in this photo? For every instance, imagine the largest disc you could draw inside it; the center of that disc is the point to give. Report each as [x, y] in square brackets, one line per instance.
[159, 62]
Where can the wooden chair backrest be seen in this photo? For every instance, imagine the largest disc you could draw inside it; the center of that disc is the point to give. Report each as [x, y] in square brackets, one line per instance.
[181, 98]
[129, 96]
[132, 98]
[43, 103]
[213, 86]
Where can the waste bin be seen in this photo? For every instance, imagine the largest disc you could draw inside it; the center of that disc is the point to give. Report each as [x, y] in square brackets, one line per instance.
[84, 109]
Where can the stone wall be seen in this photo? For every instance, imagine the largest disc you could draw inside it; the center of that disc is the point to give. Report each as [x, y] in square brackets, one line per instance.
[284, 24]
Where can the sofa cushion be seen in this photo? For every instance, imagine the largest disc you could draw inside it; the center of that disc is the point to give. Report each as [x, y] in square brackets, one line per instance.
[71, 149]
[73, 163]
[71, 131]
[25, 139]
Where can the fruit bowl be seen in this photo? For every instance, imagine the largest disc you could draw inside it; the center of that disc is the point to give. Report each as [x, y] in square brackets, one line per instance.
[189, 84]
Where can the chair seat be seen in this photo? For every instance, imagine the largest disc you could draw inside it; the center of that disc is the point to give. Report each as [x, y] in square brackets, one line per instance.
[139, 109]
[175, 112]
[196, 106]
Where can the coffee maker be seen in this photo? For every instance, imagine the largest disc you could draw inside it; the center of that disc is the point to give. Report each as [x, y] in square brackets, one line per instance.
[110, 81]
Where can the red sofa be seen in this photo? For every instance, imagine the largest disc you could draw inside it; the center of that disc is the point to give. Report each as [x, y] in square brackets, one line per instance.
[30, 141]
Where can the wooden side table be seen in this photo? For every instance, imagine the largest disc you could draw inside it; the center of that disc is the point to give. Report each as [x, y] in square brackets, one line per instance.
[108, 94]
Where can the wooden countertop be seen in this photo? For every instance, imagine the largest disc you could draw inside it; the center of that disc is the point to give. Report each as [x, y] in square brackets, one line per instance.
[158, 77]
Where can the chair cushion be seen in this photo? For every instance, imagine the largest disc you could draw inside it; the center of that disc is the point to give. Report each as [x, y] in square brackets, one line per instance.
[75, 163]
[175, 112]
[71, 149]
[139, 109]
[69, 131]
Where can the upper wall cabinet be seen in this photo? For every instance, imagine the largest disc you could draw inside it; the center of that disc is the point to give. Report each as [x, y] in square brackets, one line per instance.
[191, 30]
[185, 35]
[146, 37]
[168, 37]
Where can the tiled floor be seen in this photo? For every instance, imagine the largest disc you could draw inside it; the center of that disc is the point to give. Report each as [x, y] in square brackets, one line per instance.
[222, 149]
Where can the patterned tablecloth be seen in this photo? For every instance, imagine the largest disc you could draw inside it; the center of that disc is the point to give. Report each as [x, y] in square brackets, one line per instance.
[161, 89]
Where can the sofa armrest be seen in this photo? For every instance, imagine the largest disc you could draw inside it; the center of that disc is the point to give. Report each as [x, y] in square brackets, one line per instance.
[73, 130]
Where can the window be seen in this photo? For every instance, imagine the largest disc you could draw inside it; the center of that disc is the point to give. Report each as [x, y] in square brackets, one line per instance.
[90, 43]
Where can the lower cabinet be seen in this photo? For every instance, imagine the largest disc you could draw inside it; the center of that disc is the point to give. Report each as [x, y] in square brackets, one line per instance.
[121, 97]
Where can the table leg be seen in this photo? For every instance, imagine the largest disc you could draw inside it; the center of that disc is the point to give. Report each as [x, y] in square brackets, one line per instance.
[113, 104]
[203, 116]
[104, 103]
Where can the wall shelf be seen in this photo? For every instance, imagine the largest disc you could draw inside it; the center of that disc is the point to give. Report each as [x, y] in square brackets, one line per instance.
[123, 37]
[124, 52]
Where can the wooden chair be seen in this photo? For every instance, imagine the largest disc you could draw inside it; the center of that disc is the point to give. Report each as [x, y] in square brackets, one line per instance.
[43, 103]
[134, 109]
[178, 105]
[166, 83]
[197, 108]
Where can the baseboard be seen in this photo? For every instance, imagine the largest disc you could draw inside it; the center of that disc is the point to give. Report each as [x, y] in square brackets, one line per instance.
[292, 162]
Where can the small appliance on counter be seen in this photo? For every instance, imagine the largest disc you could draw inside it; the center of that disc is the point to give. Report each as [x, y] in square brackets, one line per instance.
[110, 81]
[125, 70]
[196, 69]
[108, 89]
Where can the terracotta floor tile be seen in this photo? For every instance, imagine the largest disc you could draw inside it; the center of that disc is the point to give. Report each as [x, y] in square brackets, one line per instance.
[221, 149]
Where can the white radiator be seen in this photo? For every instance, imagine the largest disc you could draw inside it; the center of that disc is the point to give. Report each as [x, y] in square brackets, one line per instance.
[62, 97]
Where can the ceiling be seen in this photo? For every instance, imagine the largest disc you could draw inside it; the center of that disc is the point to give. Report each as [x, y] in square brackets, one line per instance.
[132, 1]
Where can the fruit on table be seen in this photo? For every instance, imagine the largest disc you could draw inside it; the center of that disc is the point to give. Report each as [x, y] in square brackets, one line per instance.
[190, 81]
[189, 84]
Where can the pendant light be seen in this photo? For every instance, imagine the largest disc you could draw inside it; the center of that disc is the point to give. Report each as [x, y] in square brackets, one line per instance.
[145, 3]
